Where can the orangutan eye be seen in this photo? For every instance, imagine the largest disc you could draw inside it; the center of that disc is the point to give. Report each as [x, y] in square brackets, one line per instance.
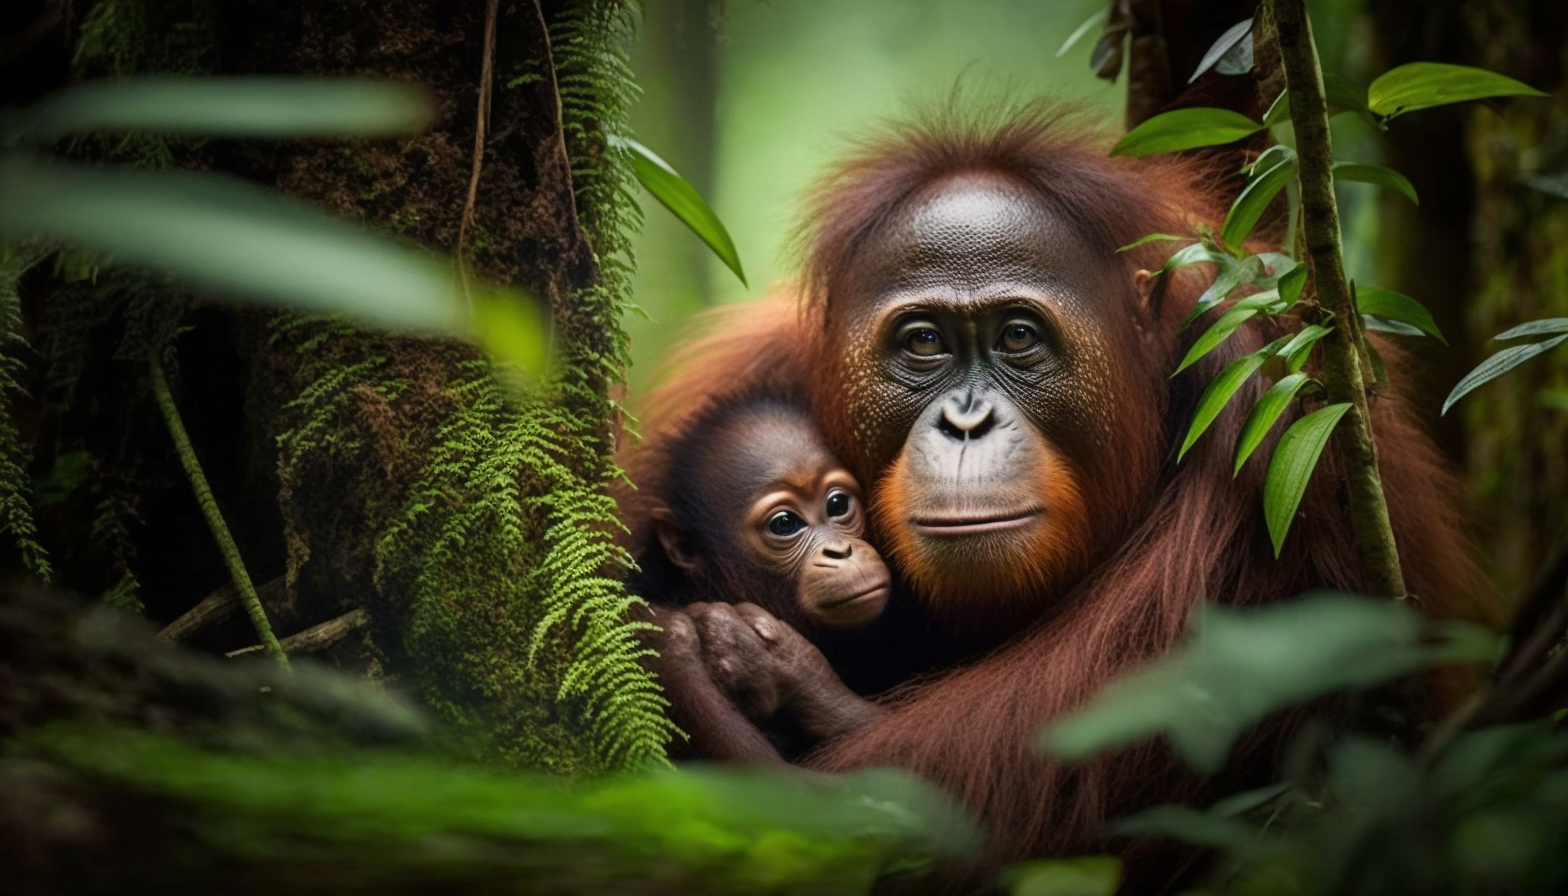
[785, 523]
[1017, 338]
[839, 504]
[923, 342]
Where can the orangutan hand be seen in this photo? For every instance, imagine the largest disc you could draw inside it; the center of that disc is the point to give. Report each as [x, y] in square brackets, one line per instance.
[766, 666]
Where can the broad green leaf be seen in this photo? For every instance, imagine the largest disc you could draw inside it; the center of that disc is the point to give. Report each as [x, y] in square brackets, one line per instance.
[1291, 283]
[1549, 326]
[1278, 264]
[1497, 365]
[1219, 393]
[1151, 238]
[1372, 322]
[1240, 665]
[682, 199]
[1299, 348]
[1265, 414]
[1238, 314]
[1232, 274]
[1197, 253]
[1250, 205]
[1185, 129]
[1422, 85]
[1080, 31]
[228, 107]
[1083, 876]
[1390, 305]
[249, 243]
[1291, 468]
[1270, 157]
[1387, 178]
[1226, 43]
[1343, 95]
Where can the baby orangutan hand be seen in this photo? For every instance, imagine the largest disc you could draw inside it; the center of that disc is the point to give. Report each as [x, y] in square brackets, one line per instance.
[766, 666]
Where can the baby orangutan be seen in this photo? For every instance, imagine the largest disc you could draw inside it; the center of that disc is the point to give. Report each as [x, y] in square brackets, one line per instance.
[753, 509]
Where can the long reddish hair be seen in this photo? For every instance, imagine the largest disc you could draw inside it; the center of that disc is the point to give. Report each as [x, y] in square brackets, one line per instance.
[1171, 535]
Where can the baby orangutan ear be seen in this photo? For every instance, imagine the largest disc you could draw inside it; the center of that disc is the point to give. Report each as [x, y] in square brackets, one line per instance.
[672, 539]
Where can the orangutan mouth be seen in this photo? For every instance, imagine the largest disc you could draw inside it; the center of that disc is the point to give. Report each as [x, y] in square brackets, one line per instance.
[959, 526]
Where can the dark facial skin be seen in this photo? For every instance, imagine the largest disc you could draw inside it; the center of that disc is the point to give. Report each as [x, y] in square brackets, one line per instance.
[976, 346]
[785, 529]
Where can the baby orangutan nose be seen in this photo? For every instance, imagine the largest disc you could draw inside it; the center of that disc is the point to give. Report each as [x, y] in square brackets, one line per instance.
[845, 586]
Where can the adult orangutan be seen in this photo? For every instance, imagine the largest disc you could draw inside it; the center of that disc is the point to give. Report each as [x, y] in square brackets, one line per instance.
[981, 355]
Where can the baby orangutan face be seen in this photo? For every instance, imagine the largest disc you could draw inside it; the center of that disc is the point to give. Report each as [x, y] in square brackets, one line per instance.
[785, 527]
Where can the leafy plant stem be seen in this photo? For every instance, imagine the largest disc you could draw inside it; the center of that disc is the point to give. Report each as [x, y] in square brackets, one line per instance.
[1342, 348]
[209, 510]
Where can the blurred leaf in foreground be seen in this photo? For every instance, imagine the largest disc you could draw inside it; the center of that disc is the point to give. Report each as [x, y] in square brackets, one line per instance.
[326, 823]
[1243, 664]
[226, 107]
[1085, 876]
[250, 243]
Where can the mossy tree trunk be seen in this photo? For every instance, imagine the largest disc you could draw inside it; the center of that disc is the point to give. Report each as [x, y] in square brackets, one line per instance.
[398, 476]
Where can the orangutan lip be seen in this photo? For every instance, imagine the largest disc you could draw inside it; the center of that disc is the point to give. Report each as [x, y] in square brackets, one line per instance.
[975, 525]
[858, 596]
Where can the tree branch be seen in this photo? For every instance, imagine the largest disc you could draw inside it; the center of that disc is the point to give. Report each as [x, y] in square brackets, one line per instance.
[1343, 347]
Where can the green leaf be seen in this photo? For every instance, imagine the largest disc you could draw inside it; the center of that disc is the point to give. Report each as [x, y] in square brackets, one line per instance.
[1390, 305]
[1185, 129]
[1197, 253]
[1222, 47]
[1083, 876]
[1219, 393]
[1080, 31]
[231, 236]
[1497, 365]
[1296, 350]
[1249, 206]
[1265, 414]
[1268, 159]
[1291, 283]
[229, 107]
[1372, 322]
[1549, 326]
[1238, 314]
[1240, 665]
[1343, 95]
[683, 200]
[1232, 274]
[1151, 238]
[1291, 468]
[1387, 178]
[1422, 85]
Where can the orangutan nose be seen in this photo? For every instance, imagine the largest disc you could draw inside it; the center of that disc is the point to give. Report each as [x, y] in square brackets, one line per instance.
[967, 415]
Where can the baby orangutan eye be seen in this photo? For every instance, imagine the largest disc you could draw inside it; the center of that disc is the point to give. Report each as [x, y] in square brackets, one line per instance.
[839, 504]
[785, 523]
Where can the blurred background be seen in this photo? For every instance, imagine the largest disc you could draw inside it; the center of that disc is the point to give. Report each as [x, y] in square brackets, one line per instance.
[750, 100]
